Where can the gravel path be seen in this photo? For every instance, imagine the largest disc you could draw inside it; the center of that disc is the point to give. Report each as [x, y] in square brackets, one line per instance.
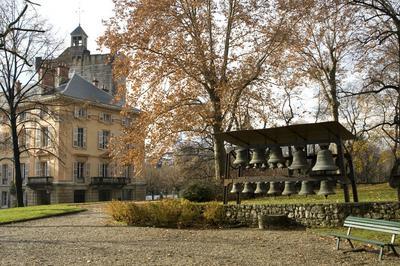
[90, 238]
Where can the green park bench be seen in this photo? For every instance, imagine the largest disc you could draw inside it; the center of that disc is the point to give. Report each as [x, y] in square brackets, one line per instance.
[383, 226]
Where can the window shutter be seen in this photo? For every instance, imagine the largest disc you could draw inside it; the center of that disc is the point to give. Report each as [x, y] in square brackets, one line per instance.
[76, 111]
[26, 173]
[9, 172]
[1, 171]
[38, 140]
[99, 170]
[75, 169]
[38, 171]
[87, 170]
[111, 169]
[46, 137]
[46, 169]
[100, 139]
[27, 138]
[101, 116]
[75, 137]
[84, 137]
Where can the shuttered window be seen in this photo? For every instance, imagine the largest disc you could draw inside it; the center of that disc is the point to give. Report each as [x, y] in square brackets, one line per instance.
[79, 137]
[103, 137]
[42, 169]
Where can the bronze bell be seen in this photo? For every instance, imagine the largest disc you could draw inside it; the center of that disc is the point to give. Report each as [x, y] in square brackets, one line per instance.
[306, 188]
[260, 188]
[241, 156]
[326, 188]
[325, 160]
[276, 158]
[290, 188]
[299, 160]
[258, 158]
[274, 188]
[235, 188]
[248, 188]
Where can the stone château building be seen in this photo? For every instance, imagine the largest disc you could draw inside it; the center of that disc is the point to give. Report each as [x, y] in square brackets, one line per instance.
[71, 162]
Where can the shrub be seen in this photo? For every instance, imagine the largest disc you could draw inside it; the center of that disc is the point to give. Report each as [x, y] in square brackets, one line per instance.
[190, 214]
[214, 213]
[129, 213]
[118, 210]
[200, 191]
[165, 213]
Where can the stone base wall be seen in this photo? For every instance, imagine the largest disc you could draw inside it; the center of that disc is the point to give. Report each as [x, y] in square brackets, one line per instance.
[314, 215]
[64, 193]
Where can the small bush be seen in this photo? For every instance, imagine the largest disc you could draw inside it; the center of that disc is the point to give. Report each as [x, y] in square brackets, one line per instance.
[214, 213]
[165, 213]
[200, 191]
[118, 210]
[190, 214]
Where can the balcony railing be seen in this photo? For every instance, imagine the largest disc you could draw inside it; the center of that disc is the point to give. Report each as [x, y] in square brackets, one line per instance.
[109, 181]
[39, 181]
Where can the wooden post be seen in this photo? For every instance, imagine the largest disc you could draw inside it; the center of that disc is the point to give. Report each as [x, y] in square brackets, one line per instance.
[339, 145]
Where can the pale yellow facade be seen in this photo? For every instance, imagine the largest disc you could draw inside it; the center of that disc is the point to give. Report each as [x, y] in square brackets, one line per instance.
[68, 155]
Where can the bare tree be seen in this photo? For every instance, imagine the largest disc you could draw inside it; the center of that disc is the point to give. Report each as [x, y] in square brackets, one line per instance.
[22, 105]
[322, 47]
[381, 43]
[13, 25]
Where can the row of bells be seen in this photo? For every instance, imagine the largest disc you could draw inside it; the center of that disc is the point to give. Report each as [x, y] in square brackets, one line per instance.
[307, 188]
[325, 161]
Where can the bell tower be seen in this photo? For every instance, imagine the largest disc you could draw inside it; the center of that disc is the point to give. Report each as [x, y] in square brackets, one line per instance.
[79, 38]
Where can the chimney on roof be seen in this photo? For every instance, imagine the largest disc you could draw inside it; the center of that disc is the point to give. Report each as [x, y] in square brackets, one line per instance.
[46, 76]
[95, 82]
[61, 74]
[105, 89]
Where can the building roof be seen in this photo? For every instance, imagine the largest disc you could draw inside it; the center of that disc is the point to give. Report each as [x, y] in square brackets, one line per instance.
[79, 88]
[78, 31]
[325, 132]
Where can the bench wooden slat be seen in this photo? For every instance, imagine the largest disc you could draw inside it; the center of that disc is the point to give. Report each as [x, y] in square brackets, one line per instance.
[373, 224]
[373, 228]
[375, 242]
[372, 221]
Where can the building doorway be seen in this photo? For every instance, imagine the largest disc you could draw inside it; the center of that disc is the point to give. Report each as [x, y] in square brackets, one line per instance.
[104, 195]
[42, 197]
[79, 196]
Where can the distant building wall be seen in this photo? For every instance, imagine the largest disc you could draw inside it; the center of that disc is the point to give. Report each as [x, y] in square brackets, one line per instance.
[94, 67]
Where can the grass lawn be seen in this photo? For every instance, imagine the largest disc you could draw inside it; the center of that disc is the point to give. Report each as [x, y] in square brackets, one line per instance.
[34, 212]
[379, 192]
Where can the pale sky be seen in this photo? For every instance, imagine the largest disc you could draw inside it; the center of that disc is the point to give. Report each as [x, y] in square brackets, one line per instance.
[63, 15]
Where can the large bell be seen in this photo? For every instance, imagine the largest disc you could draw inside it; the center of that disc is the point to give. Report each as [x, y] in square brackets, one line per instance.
[248, 188]
[241, 156]
[325, 160]
[299, 160]
[306, 188]
[260, 189]
[290, 188]
[276, 158]
[235, 188]
[274, 188]
[258, 157]
[326, 188]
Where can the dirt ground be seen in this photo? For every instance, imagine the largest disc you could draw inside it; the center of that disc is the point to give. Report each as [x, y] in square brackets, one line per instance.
[91, 238]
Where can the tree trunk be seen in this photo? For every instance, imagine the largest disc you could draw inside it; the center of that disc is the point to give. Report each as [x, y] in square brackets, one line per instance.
[17, 162]
[219, 158]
